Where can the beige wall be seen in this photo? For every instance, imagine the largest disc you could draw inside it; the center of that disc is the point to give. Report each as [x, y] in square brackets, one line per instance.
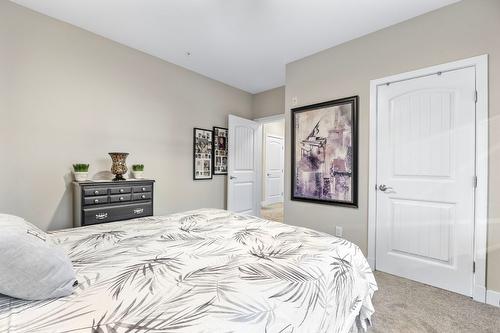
[269, 103]
[463, 30]
[68, 96]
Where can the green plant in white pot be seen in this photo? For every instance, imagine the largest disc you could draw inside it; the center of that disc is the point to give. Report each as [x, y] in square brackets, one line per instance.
[138, 171]
[80, 172]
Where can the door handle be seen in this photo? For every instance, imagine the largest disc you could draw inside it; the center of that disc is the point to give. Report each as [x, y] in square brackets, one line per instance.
[384, 188]
[233, 177]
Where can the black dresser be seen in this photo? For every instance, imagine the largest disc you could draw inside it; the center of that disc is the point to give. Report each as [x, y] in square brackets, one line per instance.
[107, 201]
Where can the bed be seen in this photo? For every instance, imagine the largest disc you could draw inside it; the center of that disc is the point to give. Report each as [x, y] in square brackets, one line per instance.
[203, 271]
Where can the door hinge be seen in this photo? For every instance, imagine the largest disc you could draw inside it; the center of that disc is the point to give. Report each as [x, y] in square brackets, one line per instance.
[474, 181]
[473, 267]
[475, 96]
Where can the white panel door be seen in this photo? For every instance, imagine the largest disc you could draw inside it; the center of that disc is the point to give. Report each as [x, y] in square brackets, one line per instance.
[425, 179]
[275, 160]
[244, 159]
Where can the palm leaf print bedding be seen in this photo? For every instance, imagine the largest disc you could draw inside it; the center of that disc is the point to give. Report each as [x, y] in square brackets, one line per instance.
[203, 271]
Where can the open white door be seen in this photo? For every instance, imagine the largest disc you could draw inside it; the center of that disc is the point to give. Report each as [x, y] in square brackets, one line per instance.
[244, 160]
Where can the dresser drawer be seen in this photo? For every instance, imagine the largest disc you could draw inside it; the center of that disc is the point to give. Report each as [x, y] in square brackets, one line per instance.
[141, 196]
[95, 191]
[120, 198]
[143, 188]
[117, 213]
[95, 200]
[120, 190]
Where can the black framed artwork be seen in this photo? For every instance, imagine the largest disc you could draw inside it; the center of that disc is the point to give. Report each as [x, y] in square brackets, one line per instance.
[219, 154]
[325, 152]
[202, 153]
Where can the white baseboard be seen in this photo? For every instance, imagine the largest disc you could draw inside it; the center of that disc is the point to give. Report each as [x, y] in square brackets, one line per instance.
[479, 294]
[493, 298]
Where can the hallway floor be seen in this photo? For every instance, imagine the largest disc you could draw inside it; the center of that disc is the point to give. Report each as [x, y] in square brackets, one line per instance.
[273, 212]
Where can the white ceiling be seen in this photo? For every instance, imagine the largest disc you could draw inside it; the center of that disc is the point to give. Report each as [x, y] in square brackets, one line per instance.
[243, 43]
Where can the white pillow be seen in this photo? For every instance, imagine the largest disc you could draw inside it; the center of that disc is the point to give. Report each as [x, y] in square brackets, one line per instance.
[31, 266]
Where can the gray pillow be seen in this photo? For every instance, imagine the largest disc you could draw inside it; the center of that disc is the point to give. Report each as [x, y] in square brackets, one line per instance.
[31, 266]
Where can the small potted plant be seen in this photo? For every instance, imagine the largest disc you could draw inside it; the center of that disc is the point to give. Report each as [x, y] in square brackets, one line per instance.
[81, 172]
[138, 171]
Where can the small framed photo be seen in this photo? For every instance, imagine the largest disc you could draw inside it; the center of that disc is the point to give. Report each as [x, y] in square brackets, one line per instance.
[220, 150]
[202, 154]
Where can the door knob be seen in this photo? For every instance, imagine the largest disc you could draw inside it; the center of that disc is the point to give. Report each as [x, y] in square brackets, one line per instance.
[384, 188]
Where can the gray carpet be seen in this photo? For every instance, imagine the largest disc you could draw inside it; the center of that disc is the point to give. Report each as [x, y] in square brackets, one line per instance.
[406, 306]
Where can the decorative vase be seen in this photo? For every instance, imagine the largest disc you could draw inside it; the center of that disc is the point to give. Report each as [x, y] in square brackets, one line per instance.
[80, 176]
[119, 168]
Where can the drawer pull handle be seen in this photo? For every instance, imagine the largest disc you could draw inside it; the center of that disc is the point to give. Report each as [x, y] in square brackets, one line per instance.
[122, 198]
[138, 210]
[143, 196]
[101, 216]
[122, 190]
[96, 201]
[143, 189]
[96, 192]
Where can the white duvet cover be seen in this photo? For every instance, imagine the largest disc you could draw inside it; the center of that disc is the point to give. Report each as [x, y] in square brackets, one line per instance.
[203, 271]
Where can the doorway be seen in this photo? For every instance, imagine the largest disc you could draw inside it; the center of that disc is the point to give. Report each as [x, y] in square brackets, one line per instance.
[428, 172]
[273, 162]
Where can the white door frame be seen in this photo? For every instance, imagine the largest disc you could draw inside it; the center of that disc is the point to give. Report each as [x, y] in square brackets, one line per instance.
[481, 162]
[268, 120]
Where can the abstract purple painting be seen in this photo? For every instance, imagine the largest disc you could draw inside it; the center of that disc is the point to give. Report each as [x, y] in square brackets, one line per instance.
[324, 152]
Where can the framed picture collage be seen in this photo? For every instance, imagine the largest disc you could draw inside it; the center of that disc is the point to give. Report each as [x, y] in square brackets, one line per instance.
[209, 152]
